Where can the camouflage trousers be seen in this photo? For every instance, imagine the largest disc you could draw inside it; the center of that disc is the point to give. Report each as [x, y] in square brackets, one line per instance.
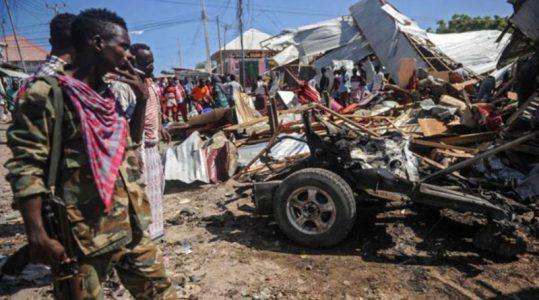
[139, 266]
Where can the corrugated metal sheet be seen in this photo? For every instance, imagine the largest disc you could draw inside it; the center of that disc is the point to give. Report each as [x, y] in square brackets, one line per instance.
[384, 33]
[186, 162]
[476, 50]
[285, 148]
[527, 19]
[318, 38]
[354, 51]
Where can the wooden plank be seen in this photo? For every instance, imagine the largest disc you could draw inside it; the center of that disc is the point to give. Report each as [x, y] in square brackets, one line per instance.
[467, 139]
[454, 154]
[431, 144]
[347, 120]
[438, 165]
[462, 85]
[431, 127]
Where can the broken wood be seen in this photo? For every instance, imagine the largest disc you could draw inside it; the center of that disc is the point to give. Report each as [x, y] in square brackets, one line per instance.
[437, 165]
[347, 120]
[481, 156]
[431, 127]
[441, 146]
[266, 149]
[467, 139]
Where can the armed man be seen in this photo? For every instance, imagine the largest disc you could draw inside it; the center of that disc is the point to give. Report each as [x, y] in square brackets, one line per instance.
[99, 185]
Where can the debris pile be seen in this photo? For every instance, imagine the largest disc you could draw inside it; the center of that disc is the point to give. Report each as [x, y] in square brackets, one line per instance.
[444, 130]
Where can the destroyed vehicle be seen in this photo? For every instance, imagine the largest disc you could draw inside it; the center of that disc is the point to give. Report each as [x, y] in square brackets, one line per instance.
[315, 200]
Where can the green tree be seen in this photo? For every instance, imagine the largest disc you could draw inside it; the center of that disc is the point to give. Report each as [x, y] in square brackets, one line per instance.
[200, 65]
[462, 23]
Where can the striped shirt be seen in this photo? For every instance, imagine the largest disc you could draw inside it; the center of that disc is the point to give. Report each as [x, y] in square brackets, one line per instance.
[151, 120]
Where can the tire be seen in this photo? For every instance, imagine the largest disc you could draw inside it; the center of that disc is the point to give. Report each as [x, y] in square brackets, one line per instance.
[315, 207]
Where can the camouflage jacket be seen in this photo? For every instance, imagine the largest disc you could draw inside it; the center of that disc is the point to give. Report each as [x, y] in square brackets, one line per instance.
[95, 231]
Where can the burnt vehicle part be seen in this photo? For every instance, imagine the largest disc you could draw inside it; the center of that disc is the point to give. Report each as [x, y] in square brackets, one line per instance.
[314, 201]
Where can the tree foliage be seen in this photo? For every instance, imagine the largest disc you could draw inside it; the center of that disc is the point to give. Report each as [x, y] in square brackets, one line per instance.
[462, 23]
[200, 65]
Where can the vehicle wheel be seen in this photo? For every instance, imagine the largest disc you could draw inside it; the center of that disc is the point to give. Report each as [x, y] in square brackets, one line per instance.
[315, 207]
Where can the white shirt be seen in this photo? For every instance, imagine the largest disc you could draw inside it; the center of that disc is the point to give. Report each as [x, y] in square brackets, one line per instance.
[378, 82]
[368, 67]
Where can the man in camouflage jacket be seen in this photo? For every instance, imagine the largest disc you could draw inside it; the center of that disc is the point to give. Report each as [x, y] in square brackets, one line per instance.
[115, 238]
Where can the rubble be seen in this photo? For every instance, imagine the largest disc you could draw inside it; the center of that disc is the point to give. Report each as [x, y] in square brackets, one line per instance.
[439, 130]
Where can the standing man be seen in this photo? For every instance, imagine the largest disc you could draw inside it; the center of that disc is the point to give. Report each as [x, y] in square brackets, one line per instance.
[153, 128]
[201, 96]
[181, 95]
[61, 47]
[379, 80]
[368, 68]
[99, 175]
[234, 85]
[356, 86]
[170, 95]
[11, 95]
[344, 87]
[260, 90]
[323, 86]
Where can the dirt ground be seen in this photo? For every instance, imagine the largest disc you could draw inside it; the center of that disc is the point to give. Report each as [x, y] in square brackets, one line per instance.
[217, 248]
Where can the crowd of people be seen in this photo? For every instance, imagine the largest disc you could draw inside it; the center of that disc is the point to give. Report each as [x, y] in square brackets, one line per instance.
[191, 96]
[366, 78]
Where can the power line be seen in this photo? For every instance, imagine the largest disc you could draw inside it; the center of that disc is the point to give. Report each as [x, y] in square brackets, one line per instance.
[55, 7]
[283, 10]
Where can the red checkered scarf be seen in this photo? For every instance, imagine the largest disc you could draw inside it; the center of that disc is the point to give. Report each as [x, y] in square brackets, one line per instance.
[104, 133]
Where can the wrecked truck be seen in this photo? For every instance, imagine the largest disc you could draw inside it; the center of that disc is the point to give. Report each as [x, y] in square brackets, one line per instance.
[315, 200]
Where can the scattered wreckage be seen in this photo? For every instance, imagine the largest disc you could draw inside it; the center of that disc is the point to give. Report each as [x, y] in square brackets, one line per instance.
[425, 144]
[315, 200]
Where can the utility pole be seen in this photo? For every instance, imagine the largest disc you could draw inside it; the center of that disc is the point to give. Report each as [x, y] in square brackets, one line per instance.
[220, 50]
[206, 37]
[55, 7]
[226, 27]
[240, 18]
[15, 35]
[4, 33]
[180, 53]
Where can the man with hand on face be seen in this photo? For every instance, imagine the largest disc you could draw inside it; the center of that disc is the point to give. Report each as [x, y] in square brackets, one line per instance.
[153, 132]
[99, 178]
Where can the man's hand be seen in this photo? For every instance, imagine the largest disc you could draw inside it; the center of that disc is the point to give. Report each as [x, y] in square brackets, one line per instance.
[135, 81]
[42, 248]
[45, 250]
[165, 135]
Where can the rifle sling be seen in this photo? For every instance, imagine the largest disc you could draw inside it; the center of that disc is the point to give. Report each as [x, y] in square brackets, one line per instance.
[56, 145]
